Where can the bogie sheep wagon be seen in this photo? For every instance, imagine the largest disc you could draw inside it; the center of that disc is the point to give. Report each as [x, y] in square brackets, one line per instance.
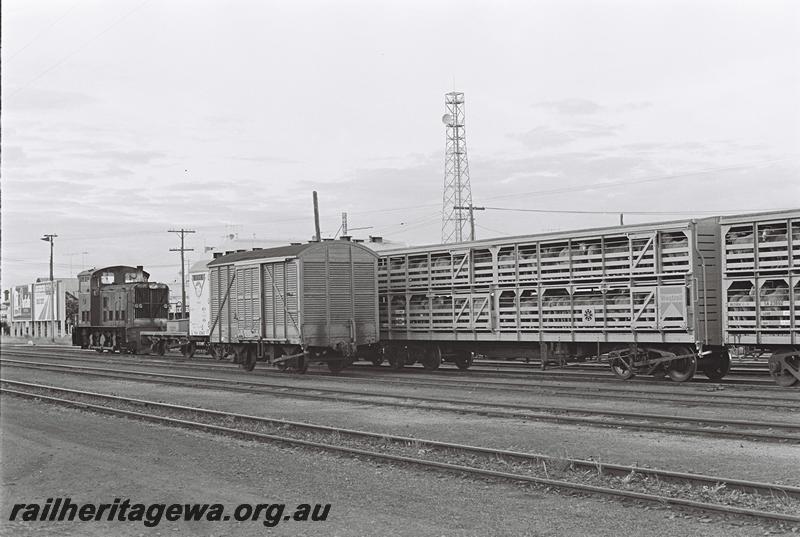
[295, 304]
[761, 284]
[644, 297]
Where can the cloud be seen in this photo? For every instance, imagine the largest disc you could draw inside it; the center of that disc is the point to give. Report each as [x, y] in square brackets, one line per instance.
[549, 137]
[39, 99]
[265, 159]
[571, 107]
[135, 156]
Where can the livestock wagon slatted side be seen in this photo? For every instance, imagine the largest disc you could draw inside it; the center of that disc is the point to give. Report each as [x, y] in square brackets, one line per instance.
[761, 279]
[619, 283]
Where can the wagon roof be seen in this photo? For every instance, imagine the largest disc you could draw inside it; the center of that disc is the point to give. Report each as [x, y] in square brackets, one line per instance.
[281, 251]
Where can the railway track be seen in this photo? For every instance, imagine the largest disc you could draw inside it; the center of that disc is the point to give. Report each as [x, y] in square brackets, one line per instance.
[737, 368]
[601, 376]
[759, 430]
[768, 502]
[714, 398]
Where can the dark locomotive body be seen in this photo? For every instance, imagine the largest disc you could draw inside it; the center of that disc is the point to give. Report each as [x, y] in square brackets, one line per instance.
[116, 304]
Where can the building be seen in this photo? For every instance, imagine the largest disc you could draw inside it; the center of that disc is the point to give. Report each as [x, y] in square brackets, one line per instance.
[35, 311]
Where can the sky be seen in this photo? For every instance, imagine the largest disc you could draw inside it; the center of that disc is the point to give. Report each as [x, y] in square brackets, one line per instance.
[122, 120]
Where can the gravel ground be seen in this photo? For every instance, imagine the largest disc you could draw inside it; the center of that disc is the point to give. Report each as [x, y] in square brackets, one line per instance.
[735, 459]
[49, 451]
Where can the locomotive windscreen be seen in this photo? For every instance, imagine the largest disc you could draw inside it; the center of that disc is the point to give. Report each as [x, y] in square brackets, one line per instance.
[150, 303]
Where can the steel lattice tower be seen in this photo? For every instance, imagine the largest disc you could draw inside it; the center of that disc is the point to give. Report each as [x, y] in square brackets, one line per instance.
[457, 195]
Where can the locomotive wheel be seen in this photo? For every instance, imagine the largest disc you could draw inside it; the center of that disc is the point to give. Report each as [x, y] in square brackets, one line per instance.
[433, 358]
[718, 367]
[621, 369]
[464, 360]
[160, 347]
[247, 359]
[683, 369]
[377, 360]
[780, 373]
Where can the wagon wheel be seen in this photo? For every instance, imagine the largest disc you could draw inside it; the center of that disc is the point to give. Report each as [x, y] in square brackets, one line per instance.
[780, 370]
[433, 358]
[337, 365]
[188, 349]
[160, 347]
[301, 364]
[719, 367]
[464, 360]
[247, 358]
[373, 354]
[396, 356]
[621, 369]
[133, 347]
[683, 369]
[212, 351]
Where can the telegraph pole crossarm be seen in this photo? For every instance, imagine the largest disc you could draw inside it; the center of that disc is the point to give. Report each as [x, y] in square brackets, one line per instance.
[183, 233]
[471, 208]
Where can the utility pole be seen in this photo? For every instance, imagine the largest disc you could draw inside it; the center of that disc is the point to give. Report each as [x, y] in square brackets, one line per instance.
[620, 220]
[49, 238]
[317, 236]
[471, 208]
[183, 232]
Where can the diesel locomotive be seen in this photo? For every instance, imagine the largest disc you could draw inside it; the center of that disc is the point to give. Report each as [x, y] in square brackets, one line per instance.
[115, 305]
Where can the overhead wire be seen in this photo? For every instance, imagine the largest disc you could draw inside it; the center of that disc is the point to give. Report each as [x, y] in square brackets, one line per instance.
[41, 33]
[78, 49]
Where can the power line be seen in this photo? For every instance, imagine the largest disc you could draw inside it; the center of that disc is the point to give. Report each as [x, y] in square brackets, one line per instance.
[41, 32]
[80, 48]
[649, 179]
[577, 211]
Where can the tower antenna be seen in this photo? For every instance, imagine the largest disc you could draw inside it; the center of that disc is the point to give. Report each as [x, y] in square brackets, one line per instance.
[457, 197]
